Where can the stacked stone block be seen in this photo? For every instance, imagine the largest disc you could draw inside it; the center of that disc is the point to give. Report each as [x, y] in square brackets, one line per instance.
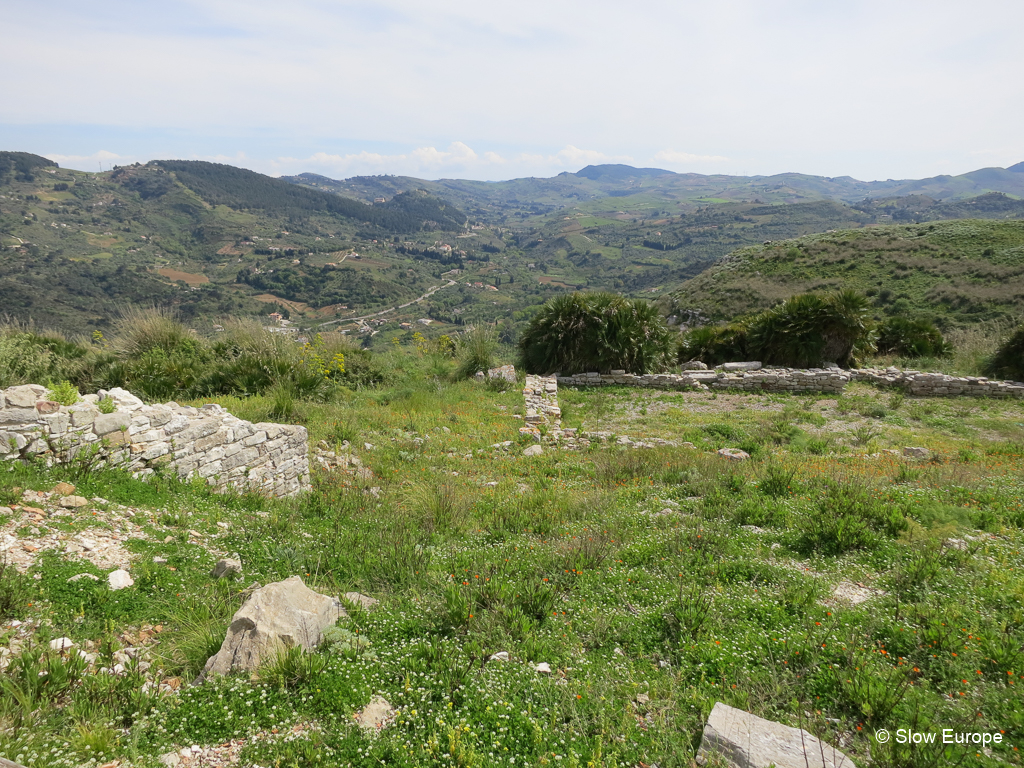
[764, 380]
[206, 442]
[541, 395]
[938, 384]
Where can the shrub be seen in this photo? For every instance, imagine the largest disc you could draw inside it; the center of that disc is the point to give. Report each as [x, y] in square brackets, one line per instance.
[1008, 361]
[143, 330]
[911, 338]
[805, 330]
[63, 392]
[595, 332]
[475, 352]
[715, 344]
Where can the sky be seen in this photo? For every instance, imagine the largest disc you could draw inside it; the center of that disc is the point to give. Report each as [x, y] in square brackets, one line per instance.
[495, 90]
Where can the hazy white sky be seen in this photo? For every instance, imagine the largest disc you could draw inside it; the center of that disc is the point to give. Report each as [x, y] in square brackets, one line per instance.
[494, 90]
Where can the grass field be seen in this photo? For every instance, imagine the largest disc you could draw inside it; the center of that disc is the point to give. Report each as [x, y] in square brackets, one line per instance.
[824, 583]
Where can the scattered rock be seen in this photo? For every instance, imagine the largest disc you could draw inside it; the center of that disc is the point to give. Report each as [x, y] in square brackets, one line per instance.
[503, 373]
[170, 759]
[363, 601]
[543, 667]
[284, 614]
[748, 741]
[74, 502]
[119, 579]
[912, 452]
[642, 698]
[533, 450]
[63, 489]
[733, 454]
[376, 715]
[693, 365]
[226, 567]
[62, 644]
[499, 656]
[80, 576]
[854, 594]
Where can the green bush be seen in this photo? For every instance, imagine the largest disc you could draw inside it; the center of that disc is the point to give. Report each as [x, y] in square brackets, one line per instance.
[804, 331]
[1008, 361]
[911, 338]
[715, 344]
[474, 352]
[63, 392]
[581, 332]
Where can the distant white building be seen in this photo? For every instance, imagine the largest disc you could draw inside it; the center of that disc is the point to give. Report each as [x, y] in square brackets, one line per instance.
[424, 321]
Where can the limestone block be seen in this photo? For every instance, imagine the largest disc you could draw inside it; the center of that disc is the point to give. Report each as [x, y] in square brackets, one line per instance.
[155, 451]
[38, 446]
[19, 415]
[733, 454]
[748, 741]
[83, 414]
[57, 423]
[176, 424]
[106, 423]
[159, 415]
[12, 440]
[24, 396]
[217, 438]
[226, 567]
[46, 407]
[286, 614]
[752, 365]
[123, 398]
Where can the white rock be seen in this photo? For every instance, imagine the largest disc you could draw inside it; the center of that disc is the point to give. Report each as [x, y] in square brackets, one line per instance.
[226, 567]
[62, 644]
[284, 614]
[74, 502]
[747, 741]
[81, 576]
[119, 579]
[533, 450]
[543, 667]
[499, 656]
[375, 715]
[733, 454]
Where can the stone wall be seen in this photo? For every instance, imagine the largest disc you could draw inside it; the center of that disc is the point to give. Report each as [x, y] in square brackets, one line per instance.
[938, 384]
[541, 396]
[207, 442]
[764, 380]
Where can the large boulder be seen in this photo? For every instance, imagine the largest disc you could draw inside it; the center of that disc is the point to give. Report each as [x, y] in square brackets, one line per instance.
[282, 615]
[747, 741]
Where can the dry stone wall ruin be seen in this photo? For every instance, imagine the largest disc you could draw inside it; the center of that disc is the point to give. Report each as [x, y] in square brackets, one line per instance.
[826, 380]
[206, 442]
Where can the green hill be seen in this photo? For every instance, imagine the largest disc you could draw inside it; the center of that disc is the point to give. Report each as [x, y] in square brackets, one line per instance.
[78, 246]
[953, 272]
[600, 188]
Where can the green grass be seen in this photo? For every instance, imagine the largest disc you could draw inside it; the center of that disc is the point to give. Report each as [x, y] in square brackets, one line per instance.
[628, 570]
[956, 273]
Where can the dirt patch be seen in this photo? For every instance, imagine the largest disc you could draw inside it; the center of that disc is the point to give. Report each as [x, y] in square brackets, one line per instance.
[269, 298]
[230, 250]
[546, 280]
[187, 277]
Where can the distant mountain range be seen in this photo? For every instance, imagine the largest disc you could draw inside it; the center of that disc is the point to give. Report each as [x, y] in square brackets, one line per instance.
[653, 186]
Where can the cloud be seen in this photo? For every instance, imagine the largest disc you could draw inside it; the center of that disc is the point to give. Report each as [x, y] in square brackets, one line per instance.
[89, 162]
[674, 158]
[458, 159]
